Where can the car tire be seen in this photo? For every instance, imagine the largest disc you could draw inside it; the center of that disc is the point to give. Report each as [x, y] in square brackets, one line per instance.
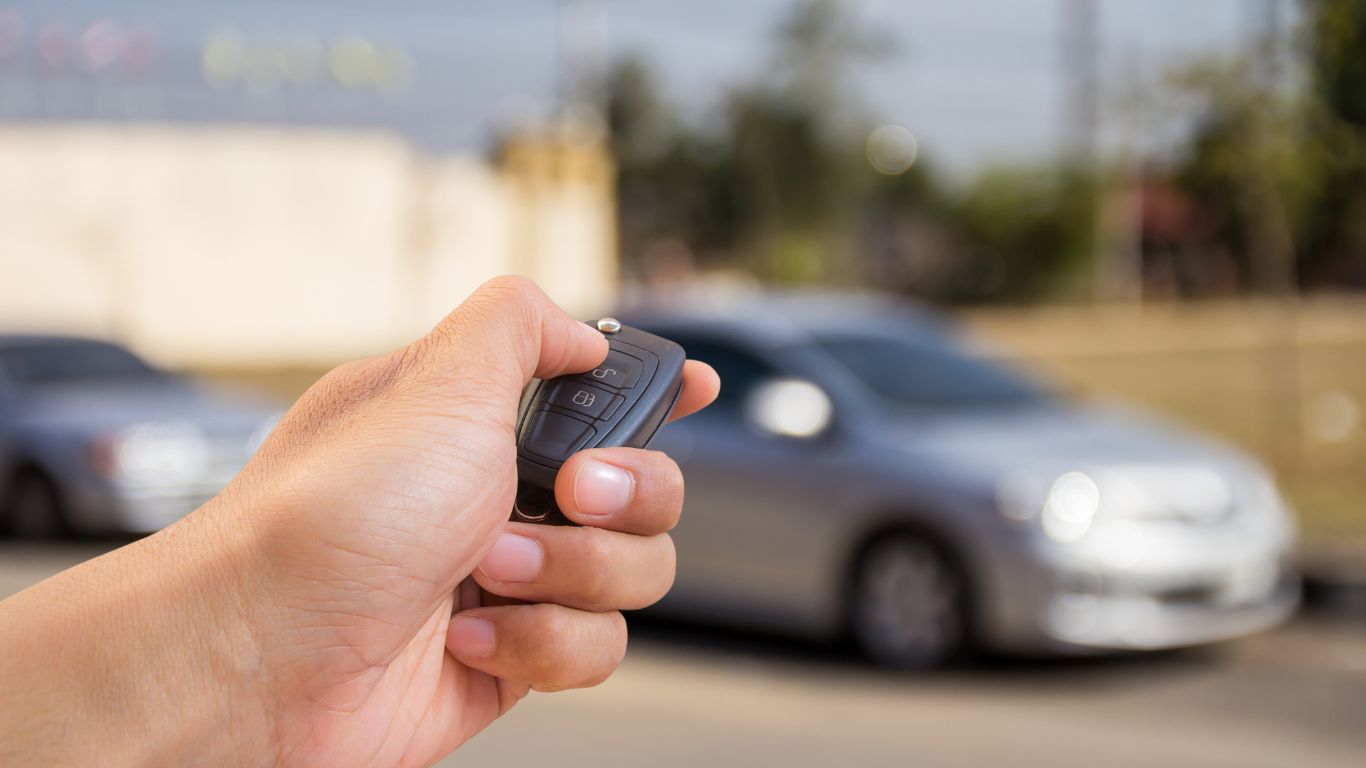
[32, 507]
[909, 603]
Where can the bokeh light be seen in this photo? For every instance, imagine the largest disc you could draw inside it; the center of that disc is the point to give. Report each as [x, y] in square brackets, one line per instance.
[102, 45]
[1333, 416]
[791, 408]
[891, 149]
[1072, 505]
[54, 45]
[221, 58]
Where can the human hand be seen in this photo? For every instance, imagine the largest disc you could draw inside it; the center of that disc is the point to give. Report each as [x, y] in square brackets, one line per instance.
[319, 587]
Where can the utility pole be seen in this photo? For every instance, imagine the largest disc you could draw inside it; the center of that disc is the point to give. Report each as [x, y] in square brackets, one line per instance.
[1271, 244]
[1115, 249]
[582, 63]
[1079, 64]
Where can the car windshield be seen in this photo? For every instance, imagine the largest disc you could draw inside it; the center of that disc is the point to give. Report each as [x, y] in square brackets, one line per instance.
[71, 362]
[925, 372]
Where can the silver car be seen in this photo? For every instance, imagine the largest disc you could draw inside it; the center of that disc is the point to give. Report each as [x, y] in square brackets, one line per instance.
[864, 472]
[93, 440]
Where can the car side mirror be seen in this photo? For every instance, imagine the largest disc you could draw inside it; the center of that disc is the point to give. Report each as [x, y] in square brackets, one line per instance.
[792, 408]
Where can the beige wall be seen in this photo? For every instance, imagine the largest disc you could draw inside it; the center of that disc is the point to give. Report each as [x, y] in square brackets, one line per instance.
[255, 247]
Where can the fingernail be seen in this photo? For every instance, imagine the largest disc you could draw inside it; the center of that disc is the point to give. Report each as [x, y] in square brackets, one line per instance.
[469, 637]
[602, 489]
[513, 558]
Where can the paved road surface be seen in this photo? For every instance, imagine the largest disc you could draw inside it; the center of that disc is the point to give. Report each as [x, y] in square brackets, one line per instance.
[690, 697]
[1294, 697]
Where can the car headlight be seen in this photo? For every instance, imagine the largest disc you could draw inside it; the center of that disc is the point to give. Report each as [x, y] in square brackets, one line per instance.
[1071, 506]
[1073, 503]
[158, 453]
[1064, 509]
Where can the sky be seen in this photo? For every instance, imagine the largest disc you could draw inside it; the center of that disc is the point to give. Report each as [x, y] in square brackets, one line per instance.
[977, 81]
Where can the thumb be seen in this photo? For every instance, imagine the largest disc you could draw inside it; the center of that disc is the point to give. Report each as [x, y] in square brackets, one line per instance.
[505, 333]
[481, 357]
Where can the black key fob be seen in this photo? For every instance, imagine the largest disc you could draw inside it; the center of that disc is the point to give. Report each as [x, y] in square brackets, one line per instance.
[622, 402]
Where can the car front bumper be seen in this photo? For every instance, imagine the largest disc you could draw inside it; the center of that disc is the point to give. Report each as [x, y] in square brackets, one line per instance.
[1155, 621]
[1049, 598]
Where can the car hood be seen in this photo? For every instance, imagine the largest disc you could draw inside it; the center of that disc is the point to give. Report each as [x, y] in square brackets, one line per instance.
[1049, 441]
[92, 409]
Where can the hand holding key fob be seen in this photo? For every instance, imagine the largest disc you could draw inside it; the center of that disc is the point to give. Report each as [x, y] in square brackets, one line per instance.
[621, 403]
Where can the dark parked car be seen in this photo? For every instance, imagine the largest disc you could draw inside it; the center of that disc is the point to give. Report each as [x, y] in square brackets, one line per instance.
[863, 471]
[95, 440]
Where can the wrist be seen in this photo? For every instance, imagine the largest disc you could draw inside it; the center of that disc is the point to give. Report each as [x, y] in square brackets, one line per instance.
[139, 657]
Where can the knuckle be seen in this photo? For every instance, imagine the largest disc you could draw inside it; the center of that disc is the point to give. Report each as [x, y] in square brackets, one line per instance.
[510, 295]
[550, 624]
[666, 565]
[569, 664]
[612, 642]
[497, 299]
[474, 340]
[616, 642]
[551, 663]
[597, 546]
[351, 377]
[595, 571]
[385, 371]
[671, 482]
[342, 390]
[507, 286]
[665, 496]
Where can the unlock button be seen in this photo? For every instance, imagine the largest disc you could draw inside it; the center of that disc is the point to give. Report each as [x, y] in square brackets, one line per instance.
[619, 371]
[583, 399]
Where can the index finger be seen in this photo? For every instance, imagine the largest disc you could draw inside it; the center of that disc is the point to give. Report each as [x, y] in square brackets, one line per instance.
[700, 386]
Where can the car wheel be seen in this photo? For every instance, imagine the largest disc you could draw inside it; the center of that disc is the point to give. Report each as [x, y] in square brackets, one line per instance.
[32, 508]
[909, 606]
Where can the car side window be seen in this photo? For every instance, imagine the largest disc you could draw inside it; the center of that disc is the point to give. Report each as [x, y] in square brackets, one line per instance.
[739, 369]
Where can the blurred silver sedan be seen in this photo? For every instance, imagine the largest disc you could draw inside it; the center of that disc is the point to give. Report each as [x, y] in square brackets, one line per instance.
[863, 472]
[94, 440]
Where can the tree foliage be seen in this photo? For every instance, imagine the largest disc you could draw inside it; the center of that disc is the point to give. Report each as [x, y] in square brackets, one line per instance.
[775, 179]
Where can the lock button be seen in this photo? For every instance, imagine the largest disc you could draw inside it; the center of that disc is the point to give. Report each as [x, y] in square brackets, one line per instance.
[578, 397]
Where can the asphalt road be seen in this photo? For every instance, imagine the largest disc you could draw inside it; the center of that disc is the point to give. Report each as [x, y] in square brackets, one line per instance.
[695, 697]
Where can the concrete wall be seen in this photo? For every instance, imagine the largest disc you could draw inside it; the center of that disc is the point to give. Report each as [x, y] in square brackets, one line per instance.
[268, 247]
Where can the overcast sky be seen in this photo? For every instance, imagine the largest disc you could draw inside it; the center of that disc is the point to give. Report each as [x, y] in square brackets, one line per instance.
[975, 80]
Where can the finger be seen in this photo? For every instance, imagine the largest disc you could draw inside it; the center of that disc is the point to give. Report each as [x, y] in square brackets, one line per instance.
[623, 489]
[587, 568]
[508, 331]
[549, 647]
[701, 385]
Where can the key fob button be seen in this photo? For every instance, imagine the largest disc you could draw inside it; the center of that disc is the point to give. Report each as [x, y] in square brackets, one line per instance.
[618, 371]
[555, 436]
[583, 399]
[621, 403]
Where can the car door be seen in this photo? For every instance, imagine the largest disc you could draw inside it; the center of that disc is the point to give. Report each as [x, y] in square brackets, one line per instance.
[752, 543]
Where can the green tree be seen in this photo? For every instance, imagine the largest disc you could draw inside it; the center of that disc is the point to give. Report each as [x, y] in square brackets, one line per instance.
[775, 182]
[778, 183]
[1335, 223]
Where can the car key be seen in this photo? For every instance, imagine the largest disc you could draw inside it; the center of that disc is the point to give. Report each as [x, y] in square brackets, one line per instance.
[622, 402]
